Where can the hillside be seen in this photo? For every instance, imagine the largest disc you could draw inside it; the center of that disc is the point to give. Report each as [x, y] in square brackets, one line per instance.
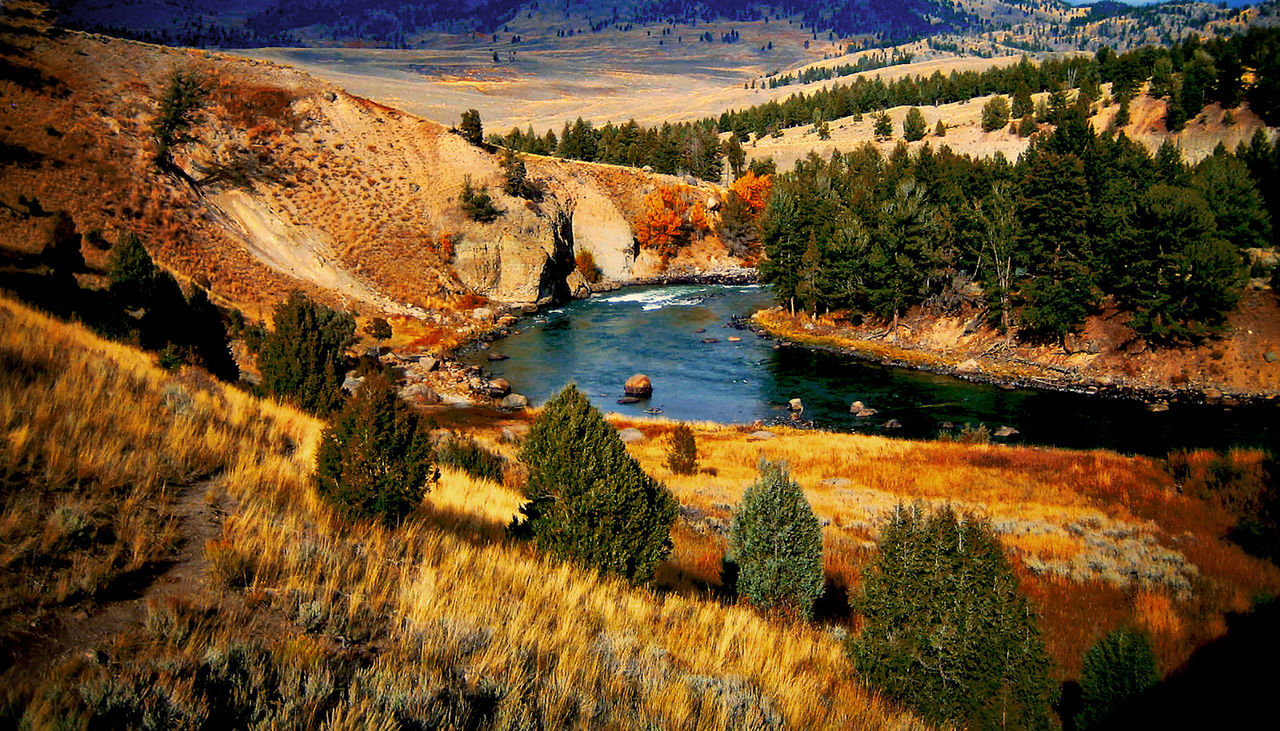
[209, 551]
[297, 184]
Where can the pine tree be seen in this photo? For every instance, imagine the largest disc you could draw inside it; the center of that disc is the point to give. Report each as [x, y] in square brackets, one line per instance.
[589, 501]
[374, 461]
[1238, 207]
[995, 114]
[883, 125]
[303, 360]
[776, 543]
[913, 126]
[179, 112]
[471, 128]
[946, 630]
[1117, 669]
[131, 273]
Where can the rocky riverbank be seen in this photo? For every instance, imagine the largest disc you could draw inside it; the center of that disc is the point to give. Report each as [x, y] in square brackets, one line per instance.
[987, 359]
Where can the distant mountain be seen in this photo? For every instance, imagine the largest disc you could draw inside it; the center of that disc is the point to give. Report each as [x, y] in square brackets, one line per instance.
[396, 24]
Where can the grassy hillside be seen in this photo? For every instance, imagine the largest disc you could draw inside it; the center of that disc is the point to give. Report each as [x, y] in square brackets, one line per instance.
[296, 613]
[172, 559]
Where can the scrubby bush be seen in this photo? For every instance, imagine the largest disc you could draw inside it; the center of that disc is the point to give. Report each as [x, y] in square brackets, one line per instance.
[466, 455]
[946, 631]
[995, 114]
[379, 329]
[682, 451]
[303, 360]
[589, 501]
[375, 459]
[477, 203]
[776, 543]
[1117, 669]
[585, 262]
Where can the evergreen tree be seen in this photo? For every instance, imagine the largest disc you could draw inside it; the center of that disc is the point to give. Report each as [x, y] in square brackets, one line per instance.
[374, 461]
[1053, 209]
[946, 630]
[1188, 278]
[589, 501]
[471, 128]
[941, 129]
[180, 107]
[776, 543]
[736, 155]
[131, 274]
[303, 359]
[903, 252]
[1239, 210]
[515, 180]
[914, 126]
[883, 125]
[995, 114]
[1022, 104]
[1117, 669]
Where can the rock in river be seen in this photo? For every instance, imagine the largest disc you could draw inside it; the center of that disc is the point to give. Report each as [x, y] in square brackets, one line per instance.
[514, 401]
[1006, 431]
[639, 386]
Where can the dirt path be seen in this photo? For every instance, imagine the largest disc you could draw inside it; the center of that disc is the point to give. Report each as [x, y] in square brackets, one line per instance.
[73, 629]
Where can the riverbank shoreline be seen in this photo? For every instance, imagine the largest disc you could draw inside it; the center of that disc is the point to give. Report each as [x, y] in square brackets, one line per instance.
[1010, 371]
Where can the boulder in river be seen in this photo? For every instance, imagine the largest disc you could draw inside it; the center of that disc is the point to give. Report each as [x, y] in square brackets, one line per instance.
[700, 330]
[499, 387]
[859, 409]
[631, 435]
[1005, 431]
[1157, 407]
[710, 341]
[493, 357]
[893, 424]
[514, 401]
[796, 405]
[625, 400]
[734, 339]
[639, 386]
[1212, 395]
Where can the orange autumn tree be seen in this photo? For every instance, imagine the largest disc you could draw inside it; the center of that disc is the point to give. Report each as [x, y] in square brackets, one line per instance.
[663, 225]
[754, 190]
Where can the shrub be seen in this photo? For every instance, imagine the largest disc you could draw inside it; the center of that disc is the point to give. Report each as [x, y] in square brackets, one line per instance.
[466, 455]
[883, 125]
[1117, 669]
[945, 628]
[682, 452]
[379, 329]
[477, 203]
[589, 501]
[375, 459]
[776, 542]
[471, 127]
[515, 180]
[585, 263]
[303, 360]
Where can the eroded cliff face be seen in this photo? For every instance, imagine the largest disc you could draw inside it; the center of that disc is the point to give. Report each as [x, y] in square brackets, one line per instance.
[291, 183]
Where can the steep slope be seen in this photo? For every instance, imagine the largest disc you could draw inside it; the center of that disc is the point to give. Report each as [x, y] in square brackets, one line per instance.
[296, 184]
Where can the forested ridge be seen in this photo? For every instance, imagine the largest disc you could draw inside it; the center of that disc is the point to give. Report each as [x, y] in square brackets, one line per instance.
[1188, 76]
[1078, 221]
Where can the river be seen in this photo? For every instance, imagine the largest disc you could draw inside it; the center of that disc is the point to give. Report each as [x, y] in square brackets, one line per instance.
[598, 343]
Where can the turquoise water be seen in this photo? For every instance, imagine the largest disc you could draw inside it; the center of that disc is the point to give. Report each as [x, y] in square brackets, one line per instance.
[600, 342]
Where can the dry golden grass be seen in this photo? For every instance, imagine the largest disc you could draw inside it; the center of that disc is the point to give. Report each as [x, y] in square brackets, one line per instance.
[439, 598]
[1100, 540]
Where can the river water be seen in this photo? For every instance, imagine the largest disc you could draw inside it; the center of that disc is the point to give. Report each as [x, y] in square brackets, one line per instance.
[598, 343]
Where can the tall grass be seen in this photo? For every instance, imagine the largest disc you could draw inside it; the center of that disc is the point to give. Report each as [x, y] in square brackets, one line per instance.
[360, 625]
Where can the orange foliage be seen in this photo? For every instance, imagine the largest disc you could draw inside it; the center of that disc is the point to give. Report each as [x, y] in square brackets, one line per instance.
[662, 226]
[754, 190]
